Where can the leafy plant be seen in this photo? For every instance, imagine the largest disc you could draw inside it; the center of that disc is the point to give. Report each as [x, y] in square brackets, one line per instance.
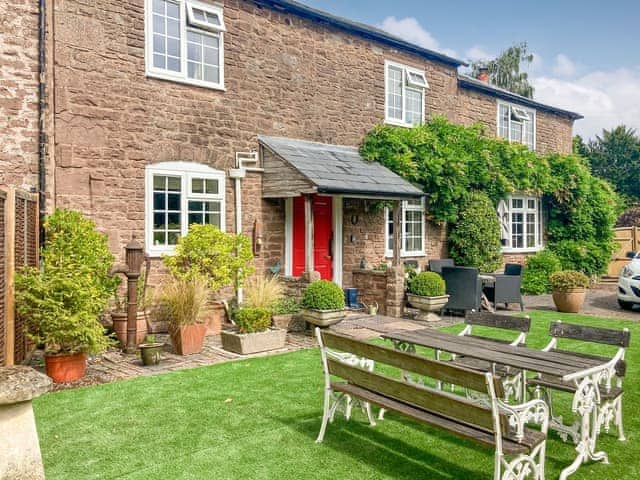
[286, 306]
[427, 284]
[323, 295]
[262, 292]
[590, 258]
[475, 239]
[61, 302]
[183, 299]
[150, 339]
[451, 161]
[535, 279]
[381, 267]
[567, 280]
[253, 320]
[222, 259]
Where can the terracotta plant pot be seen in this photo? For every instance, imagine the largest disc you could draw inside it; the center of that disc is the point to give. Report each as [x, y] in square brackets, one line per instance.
[213, 316]
[119, 320]
[150, 353]
[65, 368]
[188, 339]
[569, 301]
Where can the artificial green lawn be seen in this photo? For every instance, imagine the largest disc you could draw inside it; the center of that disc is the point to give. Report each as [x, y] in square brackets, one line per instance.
[258, 419]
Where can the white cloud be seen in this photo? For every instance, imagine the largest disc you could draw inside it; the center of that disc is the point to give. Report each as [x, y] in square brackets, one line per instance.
[478, 52]
[605, 98]
[409, 29]
[536, 65]
[564, 67]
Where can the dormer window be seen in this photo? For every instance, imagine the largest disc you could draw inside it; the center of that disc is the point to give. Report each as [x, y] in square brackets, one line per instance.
[405, 90]
[184, 42]
[517, 124]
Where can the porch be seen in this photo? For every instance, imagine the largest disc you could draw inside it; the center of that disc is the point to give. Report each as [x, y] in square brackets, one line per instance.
[339, 211]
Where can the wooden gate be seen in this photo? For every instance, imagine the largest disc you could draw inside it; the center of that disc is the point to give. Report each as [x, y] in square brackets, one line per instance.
[627, 240]
[19, 246]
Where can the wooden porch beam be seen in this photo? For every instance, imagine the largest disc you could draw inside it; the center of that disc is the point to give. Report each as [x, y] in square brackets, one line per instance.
[10, 266]
[397, 226]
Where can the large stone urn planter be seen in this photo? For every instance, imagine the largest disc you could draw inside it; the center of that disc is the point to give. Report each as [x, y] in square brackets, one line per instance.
[323, 318]
[429, 307]
[248, 343]
[569, 301]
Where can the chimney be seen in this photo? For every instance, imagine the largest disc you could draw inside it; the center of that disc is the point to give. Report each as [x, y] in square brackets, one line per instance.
[483, 74]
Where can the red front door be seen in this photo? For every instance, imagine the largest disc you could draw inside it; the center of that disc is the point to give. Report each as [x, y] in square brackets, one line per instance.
[322, 236]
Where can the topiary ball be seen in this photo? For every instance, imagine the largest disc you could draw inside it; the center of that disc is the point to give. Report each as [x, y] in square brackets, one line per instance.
[427, 284]
[323, 295]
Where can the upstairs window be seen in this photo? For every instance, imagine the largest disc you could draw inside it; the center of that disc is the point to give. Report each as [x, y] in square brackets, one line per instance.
[184, 42]
[180, 194]
[517, 124]
[412, 229]
[405, 89]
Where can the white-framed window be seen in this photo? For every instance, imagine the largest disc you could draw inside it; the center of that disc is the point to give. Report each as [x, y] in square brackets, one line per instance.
[404, 94]
[177, 195]
[412, 229]
[184, 42]
[522, 224]
[517, 124]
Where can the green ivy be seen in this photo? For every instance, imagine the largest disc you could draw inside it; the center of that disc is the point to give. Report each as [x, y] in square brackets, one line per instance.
[449, 162]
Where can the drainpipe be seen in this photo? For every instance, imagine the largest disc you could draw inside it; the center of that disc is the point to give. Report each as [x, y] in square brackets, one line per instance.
[42, 136]
[238, 174]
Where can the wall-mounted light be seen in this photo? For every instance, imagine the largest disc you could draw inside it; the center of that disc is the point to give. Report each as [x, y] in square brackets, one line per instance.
[352, 239]
[354, 219]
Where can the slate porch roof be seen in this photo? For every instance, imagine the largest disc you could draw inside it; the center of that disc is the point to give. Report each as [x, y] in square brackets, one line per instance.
[337, 169]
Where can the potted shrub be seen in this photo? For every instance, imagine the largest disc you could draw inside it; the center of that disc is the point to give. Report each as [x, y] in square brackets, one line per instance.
[150, 351]
[61, 303]
[253, 333]
[427, 294]
[183, 299]
[221, 259]
[569, 290]
[323, 303]
[284, 313]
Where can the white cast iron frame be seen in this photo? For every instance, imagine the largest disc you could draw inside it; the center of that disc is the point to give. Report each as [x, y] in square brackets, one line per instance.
[506, 467]
[333, 400]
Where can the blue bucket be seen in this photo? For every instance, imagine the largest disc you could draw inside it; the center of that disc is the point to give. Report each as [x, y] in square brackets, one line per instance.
[351, 297]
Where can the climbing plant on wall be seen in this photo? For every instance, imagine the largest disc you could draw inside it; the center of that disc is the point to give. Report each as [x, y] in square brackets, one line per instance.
[450, 161]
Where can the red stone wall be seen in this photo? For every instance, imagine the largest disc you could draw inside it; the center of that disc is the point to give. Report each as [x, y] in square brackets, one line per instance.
[284, 76]
[19, 92]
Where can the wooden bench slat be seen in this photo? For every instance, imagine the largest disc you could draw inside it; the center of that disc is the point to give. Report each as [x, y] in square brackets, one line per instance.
[494, 320]
[557, 384]
[531, 439]
[607, 336]
[412, 363]
[432, 401]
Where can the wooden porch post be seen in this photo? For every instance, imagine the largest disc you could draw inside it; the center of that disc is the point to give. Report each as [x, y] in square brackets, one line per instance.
[10, 268]
[308, 234]
[397, 237]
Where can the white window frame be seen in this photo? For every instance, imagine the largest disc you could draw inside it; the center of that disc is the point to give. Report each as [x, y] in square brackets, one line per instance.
[185, 25]
[405, 208]
[517, 111]
[406, 85]
[186, 171]
[210, 9]
[538, 225]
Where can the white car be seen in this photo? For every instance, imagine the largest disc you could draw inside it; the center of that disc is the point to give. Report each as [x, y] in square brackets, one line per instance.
[629, 283]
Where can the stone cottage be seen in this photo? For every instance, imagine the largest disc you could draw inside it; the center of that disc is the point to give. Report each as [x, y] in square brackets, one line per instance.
[247, 114]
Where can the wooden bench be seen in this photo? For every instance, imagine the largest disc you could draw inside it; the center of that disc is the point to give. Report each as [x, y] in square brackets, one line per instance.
[511, 378]
[610, 391]
[519, 450]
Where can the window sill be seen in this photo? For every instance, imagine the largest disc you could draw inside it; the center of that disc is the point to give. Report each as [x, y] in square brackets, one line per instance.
[186, 81]
[406, 254]
[522, 250]
[397, 123]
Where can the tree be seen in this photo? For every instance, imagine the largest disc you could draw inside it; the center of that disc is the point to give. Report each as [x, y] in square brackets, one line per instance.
[504, 71]
[579, 147]
[615, 156]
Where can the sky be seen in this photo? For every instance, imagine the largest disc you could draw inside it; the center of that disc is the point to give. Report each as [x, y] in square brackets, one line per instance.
[586, 53]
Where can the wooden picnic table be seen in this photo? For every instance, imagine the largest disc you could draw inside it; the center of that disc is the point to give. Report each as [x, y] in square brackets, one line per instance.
[583, 371]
